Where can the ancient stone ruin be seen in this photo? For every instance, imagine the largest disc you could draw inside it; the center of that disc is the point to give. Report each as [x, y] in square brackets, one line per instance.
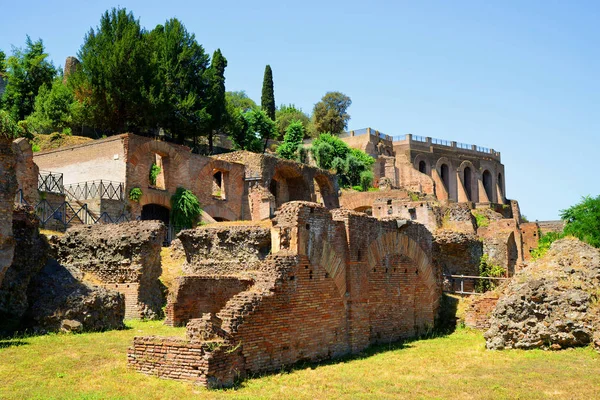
[122, 257]
[333, 283]
[551, 304]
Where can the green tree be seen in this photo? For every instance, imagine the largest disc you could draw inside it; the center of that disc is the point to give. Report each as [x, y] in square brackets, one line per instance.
[55, 109]
[179, 90]
[8, 127]
[2, 63]
[329, 114]
[583, 220]
[27, 70]
[259, 125]
[116, 73]
[217, 105]
[352, 166]
[291, 141]
[286, 114]
[267, 100]
[240, 100]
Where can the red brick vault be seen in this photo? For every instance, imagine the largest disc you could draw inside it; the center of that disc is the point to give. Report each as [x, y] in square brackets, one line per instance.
[334, 283]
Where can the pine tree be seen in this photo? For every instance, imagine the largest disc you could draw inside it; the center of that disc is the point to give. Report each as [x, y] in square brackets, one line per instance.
[267, 100]
[217, 106]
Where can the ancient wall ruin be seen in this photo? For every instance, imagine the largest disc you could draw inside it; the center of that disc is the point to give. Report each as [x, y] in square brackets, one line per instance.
[334, 283]
[122, 257]
[26, 170]
[8, 188]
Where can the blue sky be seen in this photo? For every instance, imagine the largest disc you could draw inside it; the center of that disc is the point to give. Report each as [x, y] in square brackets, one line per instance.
[521, 77]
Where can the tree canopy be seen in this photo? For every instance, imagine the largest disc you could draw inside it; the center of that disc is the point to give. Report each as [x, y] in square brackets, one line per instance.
[27, 70]
[583, 220]
[217, 103]
[330, 114]
[286, 114]
[292, 141]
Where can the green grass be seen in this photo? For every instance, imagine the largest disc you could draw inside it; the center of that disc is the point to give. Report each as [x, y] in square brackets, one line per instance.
[481, 219]
[93, 366]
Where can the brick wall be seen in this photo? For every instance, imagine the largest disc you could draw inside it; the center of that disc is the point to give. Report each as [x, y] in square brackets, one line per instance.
[334, 283]
[26, 170]
[131, 291]
[195, 295]
[100, 159]
[480, 310]
[530, 234]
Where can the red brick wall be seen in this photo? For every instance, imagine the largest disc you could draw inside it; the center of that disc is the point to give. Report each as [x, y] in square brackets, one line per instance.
[196, 295]
[479, 311]
[530, 233]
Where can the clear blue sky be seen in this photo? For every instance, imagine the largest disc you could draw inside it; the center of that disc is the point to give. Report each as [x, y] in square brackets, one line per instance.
[521, 77]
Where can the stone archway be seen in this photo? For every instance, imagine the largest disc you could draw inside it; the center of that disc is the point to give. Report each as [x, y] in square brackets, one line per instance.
[488, 185]
[400, 269]
[157, 212]
[288, 184]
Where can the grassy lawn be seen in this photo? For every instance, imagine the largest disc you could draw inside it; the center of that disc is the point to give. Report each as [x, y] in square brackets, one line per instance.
[93, 366]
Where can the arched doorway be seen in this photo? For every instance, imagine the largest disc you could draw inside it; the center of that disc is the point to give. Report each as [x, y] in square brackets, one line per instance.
[445, 175]
[467, 177]
[422, 167]
[155, 212]
[487, 185]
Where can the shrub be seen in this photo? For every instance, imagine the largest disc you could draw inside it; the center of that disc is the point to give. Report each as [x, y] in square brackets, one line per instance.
[366, 180]
[67, 131]
[583, 220]
[135, 194]
[487, 269]
[8, 128]
[154, 172]
[291, 141]
[35, 147]
[482, 219]
[544, 243]
[185, 208]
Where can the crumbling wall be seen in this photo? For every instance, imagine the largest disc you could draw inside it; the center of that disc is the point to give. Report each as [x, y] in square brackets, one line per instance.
[8, 188]
[334, 283]
[26, 171]
[457, 253]
[530, 234]
[31, 253]
[124, 257]
[224, 249]
[195, 295]
[500, 243]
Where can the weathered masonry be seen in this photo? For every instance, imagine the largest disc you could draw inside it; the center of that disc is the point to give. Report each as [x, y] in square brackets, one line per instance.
[334, 283]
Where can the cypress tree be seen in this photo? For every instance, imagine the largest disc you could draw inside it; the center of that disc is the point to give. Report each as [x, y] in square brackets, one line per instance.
[217, 107]
[267, 100]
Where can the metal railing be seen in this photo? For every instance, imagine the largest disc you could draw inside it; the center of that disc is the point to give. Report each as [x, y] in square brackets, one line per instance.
[461, 284]
[483, 149]
[441, 142]
[50, 182]
[417, 138]
[98, 189]
[464, 146]
[398, 138]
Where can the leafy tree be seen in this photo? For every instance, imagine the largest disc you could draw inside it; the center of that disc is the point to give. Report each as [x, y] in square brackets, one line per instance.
[8, 127]
[240, 100]
[285, 115]
[352, 166]
[291, 141]
[55, 109]
[366, 180]
[116, 73]
[329, 114]
[583, 220]
[259, 125]
[180, 89]
[267, 100]
[26, 71]
[2, 63]
[217, 105]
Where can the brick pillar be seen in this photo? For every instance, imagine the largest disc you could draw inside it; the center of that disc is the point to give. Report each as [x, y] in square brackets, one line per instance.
[8, 188]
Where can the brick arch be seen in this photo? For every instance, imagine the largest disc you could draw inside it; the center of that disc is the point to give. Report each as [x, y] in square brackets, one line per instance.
[474, 194]
[218, 212]
[397, 243]
[140, 160]
[417, 161]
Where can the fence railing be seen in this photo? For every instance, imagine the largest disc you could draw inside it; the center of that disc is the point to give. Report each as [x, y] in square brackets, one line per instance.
[50, 182]
[471, 285]
[441, 142]
[99, 189]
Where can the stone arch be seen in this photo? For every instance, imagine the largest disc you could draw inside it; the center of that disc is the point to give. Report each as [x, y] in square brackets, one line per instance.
[488, 185]
[418, 307]
[445, 182]
[468, 178]
[323, 190]
[512, 254]
[500, 185]
[152, 211]
[219, 213]
[445, 175]
[141, 159]
[365, 209]
[421, 164]
[288, 184]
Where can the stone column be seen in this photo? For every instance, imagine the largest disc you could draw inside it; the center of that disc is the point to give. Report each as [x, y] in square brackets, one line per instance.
[8, 188]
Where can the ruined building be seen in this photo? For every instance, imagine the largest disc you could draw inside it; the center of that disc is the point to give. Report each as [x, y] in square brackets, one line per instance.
[317, 284]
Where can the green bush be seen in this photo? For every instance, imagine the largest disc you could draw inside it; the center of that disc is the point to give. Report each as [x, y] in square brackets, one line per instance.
[35, 147]
[583, 220]
[487, 269]
[482, 219]
[544, 243]
[366, 180]
[135, 194]
[8, 127]
[154, 172]
[185, 208]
